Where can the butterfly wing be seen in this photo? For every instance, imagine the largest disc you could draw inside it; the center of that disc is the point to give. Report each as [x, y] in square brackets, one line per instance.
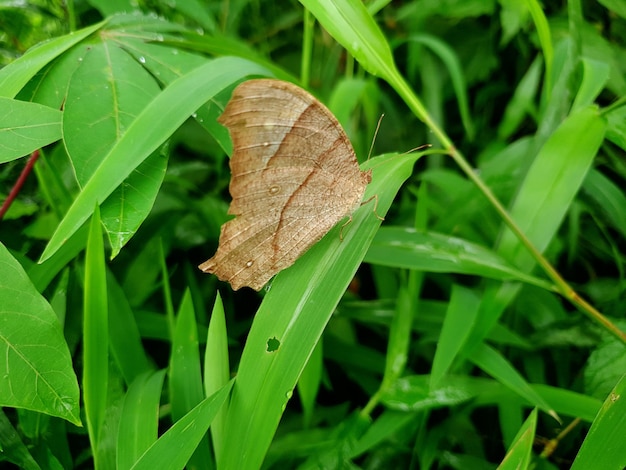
[294, 176]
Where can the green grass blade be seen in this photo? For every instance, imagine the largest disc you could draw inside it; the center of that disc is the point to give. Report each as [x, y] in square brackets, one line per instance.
[496, 365]
[519, 453]
[353, 27]
[551, 183]
[293, 315]
[185, 380]
[174, 448]
[404, 247]
[95, 334]
[604, 445]
[139, 420]
[453, 65]
[14, 76]
[545, 39]
[457, 325]
[216, 367]
[125, 339]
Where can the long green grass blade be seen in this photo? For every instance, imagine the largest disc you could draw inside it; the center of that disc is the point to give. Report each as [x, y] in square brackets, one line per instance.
[291, 319]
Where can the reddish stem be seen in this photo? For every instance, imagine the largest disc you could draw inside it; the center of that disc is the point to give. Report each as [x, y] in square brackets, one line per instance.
[19, 183]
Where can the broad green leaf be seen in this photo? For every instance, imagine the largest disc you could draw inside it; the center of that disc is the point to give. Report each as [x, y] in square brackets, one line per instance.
[26, 127]
[166, 65]
[37, 368]
[106, 93]
[605, 365]
[178, 101]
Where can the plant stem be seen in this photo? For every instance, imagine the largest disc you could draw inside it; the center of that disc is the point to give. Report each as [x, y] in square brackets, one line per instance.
[15, 190]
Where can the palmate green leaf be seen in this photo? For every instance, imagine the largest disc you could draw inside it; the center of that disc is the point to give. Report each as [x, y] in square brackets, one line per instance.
[37, 367]
[405, 247]
[107, 91]
[290, 321]
[177, 102]
[604, 445]
[105, 94]
[167, 64]
[25, 127]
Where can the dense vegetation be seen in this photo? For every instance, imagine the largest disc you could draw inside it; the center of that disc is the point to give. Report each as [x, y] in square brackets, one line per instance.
[481, 324]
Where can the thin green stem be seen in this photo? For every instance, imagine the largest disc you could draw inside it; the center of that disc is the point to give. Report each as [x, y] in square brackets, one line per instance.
[564, 288]
[307, 48]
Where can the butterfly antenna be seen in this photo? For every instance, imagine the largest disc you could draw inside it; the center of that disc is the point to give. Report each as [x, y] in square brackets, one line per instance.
[380, 119]
[415, 149]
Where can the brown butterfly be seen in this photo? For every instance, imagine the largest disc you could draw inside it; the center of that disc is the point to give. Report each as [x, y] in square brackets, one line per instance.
[294, 176]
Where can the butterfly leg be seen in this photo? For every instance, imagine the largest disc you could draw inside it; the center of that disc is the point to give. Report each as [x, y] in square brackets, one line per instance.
[375, 198]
